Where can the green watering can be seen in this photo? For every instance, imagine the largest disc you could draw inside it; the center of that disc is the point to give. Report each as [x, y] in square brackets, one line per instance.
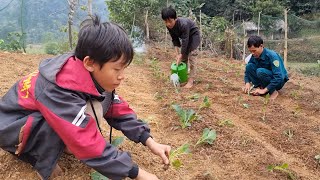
[181, 70]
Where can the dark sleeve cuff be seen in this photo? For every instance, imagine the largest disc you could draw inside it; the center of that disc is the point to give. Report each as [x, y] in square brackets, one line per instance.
[134, 171]
[145, 135]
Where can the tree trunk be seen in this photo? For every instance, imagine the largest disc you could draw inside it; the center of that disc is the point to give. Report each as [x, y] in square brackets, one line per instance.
[72, 6]
[147, 26]
[90, 8]
[23, 34]
[285, 52]
[132, 27]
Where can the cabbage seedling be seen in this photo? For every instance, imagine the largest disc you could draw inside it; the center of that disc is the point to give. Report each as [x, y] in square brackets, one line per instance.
[282, 168]
[208, 136]
[186, 116]
[175, 154]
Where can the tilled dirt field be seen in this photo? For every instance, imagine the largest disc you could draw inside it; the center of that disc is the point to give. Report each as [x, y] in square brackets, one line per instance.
[243, 148]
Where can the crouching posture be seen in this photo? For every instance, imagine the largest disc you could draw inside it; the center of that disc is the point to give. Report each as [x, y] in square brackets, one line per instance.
[265, 70]
[47, 111]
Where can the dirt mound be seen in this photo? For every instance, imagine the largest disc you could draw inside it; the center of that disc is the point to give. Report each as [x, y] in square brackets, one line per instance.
[246, 143]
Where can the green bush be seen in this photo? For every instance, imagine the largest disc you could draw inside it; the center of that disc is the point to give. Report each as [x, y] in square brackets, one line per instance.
[13, 42]
[52, 48]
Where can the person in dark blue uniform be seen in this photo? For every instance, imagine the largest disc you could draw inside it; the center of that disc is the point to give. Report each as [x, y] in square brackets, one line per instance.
[265, 70]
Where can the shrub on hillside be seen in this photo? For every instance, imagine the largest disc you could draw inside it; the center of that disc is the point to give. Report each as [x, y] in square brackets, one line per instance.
[52, 48]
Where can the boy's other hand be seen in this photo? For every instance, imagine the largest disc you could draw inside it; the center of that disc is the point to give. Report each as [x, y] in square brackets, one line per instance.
[144, 175]
[159, 149]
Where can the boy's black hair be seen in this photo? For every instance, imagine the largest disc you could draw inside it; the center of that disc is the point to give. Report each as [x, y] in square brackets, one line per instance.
[103, 42]
[168, 12]
[255, 41]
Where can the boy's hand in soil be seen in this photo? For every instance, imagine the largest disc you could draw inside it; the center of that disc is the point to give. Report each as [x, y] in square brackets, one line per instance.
[159, 149]
[144, 175]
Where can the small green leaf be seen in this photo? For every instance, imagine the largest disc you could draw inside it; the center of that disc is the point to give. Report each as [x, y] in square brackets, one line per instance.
[208, 136]
[175, 154]
[285, 166]
[270, 167]
[97, 176]
[206, 103]
[226, 122]
[246, 105]
[177, 163]
[186, 116]
[317, 157]
[194, 97]
[117, 141]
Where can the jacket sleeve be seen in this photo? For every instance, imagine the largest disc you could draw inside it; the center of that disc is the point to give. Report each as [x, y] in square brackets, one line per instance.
[175, 39]
[65, 113]
[185, 30]
[123, 118]
[276, 64]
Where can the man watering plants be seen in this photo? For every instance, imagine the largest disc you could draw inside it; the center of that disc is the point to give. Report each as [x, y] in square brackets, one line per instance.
[183, 29]
[265, 70]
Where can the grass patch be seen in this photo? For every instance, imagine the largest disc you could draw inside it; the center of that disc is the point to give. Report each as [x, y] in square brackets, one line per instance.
[299, 50]
[35, 49]
[308, 69]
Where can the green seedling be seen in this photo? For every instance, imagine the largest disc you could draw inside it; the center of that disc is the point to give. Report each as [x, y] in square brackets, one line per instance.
[238, 72]
[205, 103]
[97, 176]
[317, 157]
[194, 97]
[297, 110]
[208, 136]
[239, 99]
[246, 105]
[264, 108]
[186, 116]
[288, 133]
[117, 141]
[283, 168]
[224, 80]
[208, 86]
[176, 154]
[226, 122]
[295, 94]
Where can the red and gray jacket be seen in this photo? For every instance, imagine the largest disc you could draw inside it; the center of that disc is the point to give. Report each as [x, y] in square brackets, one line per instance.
[47, 109]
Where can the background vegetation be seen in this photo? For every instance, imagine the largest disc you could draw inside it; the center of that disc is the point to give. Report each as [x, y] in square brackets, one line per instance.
[42, 26]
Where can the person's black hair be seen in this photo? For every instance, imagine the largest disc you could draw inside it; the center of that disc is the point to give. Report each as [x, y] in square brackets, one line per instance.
[168, 13]
[103, 42]
[255, 41]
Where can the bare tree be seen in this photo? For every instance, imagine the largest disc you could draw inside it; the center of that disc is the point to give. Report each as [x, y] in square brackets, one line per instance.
[72, 6]
[90, 8]
[147, 26]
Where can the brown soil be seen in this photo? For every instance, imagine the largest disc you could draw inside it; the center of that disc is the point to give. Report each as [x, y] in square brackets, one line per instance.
[241, 151]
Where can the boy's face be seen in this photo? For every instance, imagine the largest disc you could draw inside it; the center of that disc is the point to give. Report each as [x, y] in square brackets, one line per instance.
[110, 75]
[170, 22]
[256, 51]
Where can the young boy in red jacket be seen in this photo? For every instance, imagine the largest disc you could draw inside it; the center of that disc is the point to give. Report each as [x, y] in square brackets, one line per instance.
[46, 112]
